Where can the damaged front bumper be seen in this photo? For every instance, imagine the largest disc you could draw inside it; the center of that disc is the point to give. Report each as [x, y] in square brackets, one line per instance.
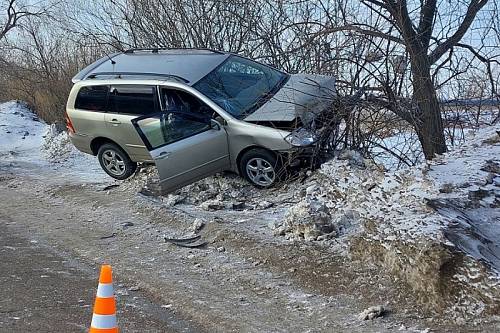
[304, 148]
[301, 157]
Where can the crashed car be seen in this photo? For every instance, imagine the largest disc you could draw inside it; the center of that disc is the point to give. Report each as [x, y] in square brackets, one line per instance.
[194, 112]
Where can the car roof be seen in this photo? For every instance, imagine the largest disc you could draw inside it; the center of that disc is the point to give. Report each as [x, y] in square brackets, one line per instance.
[183, 65]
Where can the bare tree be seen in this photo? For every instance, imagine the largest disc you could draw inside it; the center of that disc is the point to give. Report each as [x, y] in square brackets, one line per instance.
[427, 31]
[13, 13]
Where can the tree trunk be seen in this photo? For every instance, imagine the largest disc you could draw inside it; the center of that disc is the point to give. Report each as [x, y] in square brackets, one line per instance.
[429, 124]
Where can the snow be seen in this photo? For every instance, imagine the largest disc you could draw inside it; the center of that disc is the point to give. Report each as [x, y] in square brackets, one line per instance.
[21, 131]
[461, 125]
[462, 167]
[24, 138]
[405, 144]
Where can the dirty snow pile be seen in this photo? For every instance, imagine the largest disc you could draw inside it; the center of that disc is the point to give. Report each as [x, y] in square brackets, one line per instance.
[219, 192]
[351, 190]
[348, 190]
[25, 137]
[419, 225]
[56, 145]
[347, 193]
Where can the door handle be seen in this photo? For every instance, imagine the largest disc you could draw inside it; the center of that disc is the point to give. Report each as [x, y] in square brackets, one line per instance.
[114, 121]
[163, 154]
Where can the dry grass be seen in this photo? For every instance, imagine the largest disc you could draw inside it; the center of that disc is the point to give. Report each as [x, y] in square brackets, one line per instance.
[47, 97]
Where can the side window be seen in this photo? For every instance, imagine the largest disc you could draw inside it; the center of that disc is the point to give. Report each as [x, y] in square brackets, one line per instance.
[92, 98]
[181, 101]
[169, 128]
[131, 99]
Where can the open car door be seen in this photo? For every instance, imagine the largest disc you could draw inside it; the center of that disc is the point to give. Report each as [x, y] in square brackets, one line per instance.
[184, 147]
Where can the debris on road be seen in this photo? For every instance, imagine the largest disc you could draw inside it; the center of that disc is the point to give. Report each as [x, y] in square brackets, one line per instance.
[109, 236]
[189, 242]
[109, 187]
[197, 225]
[372, 312]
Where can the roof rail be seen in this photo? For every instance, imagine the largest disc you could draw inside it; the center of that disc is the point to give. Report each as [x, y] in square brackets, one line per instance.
[120, 74]
[157, 49]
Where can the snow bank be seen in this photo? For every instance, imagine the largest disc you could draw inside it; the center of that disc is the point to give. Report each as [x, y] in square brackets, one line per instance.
[24, 137]
[21, 132]
[445, 256]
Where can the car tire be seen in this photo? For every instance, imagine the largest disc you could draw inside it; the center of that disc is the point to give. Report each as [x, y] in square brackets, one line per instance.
[115, 161]
[253, 166]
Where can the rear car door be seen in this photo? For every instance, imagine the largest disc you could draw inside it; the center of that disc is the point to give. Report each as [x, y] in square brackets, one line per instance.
[184, 147]
[125, 103]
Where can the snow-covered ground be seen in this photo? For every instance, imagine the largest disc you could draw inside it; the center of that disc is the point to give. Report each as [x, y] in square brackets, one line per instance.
[24, 138]
[21, 132]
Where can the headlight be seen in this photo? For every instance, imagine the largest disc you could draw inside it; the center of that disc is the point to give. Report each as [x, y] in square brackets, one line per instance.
[301, 137]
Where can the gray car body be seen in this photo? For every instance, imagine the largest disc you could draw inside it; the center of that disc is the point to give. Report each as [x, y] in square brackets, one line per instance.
[241, 135]
[297, 98]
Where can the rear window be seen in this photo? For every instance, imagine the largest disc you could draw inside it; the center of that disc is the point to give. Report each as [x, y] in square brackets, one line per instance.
[92, 98]
[130, 99]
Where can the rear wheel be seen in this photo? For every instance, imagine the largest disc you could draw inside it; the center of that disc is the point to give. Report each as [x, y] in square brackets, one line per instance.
[260, 167]
[115, 162]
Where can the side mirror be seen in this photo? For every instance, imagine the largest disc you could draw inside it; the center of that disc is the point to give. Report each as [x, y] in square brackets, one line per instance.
[214, 124]
[220, 120]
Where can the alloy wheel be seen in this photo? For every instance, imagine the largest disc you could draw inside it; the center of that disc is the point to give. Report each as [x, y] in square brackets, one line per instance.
[260, 171]
[113, 162]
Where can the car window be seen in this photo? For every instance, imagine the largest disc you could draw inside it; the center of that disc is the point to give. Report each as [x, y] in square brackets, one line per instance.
[170, 127]
[181, 101]
[241, 85]
[132, 99]
[92, 98]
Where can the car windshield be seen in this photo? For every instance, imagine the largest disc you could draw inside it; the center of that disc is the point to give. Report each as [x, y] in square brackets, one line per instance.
[240, 85]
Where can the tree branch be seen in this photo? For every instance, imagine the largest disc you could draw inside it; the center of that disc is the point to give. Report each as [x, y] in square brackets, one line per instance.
[427, 14]
[470, 15]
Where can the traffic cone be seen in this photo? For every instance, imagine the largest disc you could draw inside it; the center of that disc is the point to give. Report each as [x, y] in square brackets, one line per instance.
[104, 315]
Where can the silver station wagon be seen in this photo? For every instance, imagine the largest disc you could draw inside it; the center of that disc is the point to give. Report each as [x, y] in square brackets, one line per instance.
[194, 112]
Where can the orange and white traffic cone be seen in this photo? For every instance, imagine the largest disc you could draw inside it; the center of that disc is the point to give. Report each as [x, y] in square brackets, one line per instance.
[104, 315]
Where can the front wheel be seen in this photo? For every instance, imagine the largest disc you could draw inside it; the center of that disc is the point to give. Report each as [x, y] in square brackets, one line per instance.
[115, 162]
[260, 167]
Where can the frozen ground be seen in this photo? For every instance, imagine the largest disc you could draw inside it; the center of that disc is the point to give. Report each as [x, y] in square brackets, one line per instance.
[345, 237]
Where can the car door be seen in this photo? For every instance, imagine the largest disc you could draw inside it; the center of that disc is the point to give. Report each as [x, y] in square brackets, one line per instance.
[185, 148]
[125, 103]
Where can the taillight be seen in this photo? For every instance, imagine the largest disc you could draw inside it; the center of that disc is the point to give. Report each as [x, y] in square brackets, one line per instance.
[69, 124]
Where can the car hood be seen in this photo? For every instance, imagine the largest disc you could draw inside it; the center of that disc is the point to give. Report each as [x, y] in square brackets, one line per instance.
[303, 97]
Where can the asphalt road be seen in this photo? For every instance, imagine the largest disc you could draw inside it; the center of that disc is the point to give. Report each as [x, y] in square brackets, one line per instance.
[42, 290]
